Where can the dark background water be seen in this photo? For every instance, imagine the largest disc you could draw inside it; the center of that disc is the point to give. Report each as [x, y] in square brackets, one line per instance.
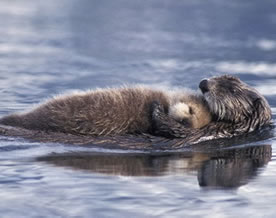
[51, 47]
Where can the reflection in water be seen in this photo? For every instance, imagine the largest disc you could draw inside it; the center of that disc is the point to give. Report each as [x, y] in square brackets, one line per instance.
[223, 168]
[235, 167]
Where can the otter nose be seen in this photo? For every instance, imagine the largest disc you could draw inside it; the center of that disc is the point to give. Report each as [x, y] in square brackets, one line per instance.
[203, 85]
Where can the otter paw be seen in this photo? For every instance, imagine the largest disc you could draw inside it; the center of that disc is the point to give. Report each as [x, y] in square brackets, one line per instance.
[157, 109]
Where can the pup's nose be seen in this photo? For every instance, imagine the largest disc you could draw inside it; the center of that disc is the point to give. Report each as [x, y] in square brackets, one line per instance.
[203, 85]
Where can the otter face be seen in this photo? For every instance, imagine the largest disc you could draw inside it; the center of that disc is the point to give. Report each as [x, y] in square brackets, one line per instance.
[232, 100]
[182, 113]
[191, 114]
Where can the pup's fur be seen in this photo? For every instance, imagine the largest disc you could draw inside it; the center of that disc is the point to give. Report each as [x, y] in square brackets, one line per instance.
[191, 112]
[111, 112]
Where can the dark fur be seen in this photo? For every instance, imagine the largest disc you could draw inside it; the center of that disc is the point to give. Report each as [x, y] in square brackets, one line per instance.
[236, 109]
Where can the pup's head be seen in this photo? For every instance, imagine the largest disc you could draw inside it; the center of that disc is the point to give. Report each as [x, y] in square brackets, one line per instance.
[193, 113]
[232, 100]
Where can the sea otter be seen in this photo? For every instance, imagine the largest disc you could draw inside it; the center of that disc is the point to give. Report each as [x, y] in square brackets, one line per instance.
[236, 109]
[114, 111]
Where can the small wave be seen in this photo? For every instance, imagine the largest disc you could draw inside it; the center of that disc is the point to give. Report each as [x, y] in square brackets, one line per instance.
[14, 147]
[255, 68]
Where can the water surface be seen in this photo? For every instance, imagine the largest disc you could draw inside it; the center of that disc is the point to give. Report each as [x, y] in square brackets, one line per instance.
[51, 47]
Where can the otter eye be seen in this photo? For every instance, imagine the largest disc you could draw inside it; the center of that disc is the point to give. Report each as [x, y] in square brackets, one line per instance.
[191, 111]
[186, 122]
[233, 90]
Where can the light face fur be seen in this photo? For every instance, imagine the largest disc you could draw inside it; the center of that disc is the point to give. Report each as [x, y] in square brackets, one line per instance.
[192, 113]
[105, 112]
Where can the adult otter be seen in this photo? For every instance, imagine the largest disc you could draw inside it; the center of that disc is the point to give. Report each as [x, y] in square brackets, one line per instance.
[112, 112]
[236, 109]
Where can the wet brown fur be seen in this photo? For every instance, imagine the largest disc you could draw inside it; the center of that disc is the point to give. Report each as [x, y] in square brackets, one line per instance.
[236, 109]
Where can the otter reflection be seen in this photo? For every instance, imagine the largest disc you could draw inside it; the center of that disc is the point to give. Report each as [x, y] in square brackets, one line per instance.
[222, 168]
[233, 168]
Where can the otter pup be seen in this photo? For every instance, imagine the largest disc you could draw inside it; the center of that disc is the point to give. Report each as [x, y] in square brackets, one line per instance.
[114, 111]
[236, 109]
[191, 112]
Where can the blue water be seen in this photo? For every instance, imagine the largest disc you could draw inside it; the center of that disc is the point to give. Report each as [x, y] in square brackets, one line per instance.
[51, 47]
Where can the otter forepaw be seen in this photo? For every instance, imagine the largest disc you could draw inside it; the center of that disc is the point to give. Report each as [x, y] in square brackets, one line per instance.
[157, 109]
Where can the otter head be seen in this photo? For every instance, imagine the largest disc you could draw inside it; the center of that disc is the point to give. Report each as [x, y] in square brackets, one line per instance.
[191, 114]
[232, 100]
[182, 113]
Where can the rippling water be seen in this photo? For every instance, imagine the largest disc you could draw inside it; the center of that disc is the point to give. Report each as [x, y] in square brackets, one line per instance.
[51, 47]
